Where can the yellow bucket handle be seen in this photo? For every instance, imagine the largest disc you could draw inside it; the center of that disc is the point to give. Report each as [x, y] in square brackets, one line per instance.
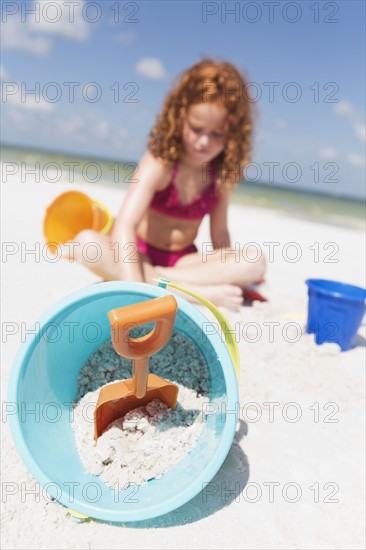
[110, 219]
[225, 325]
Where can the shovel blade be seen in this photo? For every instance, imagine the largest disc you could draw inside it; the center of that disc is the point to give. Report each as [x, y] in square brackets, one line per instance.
[118, 398]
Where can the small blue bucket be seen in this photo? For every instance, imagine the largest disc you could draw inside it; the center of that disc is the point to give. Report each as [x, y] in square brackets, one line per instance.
[44, 379]
[335, 311]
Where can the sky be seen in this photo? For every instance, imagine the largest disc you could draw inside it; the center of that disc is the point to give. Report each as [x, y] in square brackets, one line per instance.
[88, 78]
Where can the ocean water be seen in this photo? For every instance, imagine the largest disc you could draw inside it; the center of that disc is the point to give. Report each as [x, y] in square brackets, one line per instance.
[327, 209]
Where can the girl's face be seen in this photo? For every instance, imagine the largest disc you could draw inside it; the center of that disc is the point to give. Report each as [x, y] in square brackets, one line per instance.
[203, 131]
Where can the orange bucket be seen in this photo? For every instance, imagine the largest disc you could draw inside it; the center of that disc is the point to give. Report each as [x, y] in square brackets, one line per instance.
[70, 213]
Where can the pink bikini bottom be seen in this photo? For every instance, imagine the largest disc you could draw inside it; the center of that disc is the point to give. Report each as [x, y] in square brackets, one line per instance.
[164, 258]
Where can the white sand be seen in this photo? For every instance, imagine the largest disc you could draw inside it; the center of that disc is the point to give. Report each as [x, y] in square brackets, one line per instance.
[317, 461]
[144, 444]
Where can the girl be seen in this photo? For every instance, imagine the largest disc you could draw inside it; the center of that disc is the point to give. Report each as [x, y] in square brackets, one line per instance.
[196, 153]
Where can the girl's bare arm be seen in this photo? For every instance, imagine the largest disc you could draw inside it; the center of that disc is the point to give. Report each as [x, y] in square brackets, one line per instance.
[148, 179]
[218, 222]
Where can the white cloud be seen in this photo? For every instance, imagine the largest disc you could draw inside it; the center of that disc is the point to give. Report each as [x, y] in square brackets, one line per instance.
[31, 102]
[151, 67]
[355, 159]
[119, 137]
[84, 128]
[67, 19]
[101, 129]
[16, 36]
[280, 123]
[328, 153]
[349, 111]
[17, 116]
[360, 130]
[71, 125]
[344, 108]
[3, 73]
[125, 37]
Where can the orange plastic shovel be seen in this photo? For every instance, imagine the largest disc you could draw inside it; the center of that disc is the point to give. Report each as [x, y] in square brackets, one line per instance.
[116, 399]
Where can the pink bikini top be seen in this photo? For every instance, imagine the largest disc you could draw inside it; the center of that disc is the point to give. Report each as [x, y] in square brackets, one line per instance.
[167, 201]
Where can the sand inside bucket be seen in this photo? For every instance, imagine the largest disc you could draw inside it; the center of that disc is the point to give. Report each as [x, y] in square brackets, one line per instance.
[150, 440]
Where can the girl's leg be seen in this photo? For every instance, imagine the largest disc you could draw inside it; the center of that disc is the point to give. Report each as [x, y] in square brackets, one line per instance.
[95, 252]
[221, 278]
[240, 268]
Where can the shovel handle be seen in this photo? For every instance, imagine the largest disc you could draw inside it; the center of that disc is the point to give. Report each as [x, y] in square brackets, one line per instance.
[140, 376]
[162, 311]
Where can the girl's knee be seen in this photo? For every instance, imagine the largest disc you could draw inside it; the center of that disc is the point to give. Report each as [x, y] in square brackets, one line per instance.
[262, 266]
[257, 259]
[86, 243]
[85, 236]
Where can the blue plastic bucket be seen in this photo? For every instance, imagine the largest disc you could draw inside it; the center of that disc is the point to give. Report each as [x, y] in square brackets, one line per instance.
[44, 378]
[335, 311]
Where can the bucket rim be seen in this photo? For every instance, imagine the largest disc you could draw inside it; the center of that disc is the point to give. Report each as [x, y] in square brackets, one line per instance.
[96, 511]
[317, 286]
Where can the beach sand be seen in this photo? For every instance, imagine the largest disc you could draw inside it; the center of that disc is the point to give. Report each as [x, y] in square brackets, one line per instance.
[285, 483]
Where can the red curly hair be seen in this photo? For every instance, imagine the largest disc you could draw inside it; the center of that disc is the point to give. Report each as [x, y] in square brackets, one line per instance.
[208, 81]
